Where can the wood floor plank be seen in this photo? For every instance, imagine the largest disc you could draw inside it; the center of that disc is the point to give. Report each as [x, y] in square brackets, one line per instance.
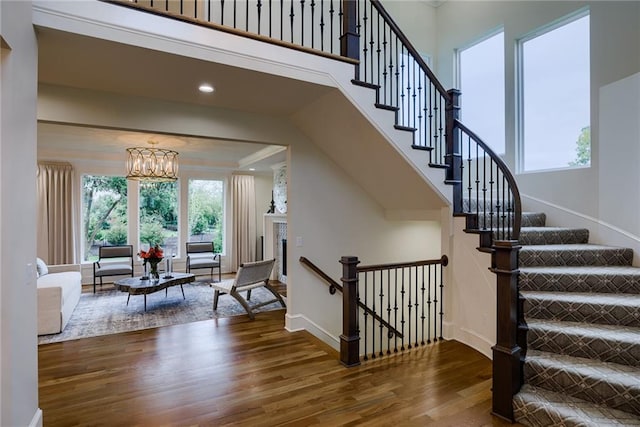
[237, 372]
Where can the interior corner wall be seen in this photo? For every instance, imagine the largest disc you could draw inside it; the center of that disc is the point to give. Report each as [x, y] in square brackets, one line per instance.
[417, 20]
[18, 336]
[615, 54]
[330, 216]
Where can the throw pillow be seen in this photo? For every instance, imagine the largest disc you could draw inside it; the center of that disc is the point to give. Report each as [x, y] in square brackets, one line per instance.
[41, 267]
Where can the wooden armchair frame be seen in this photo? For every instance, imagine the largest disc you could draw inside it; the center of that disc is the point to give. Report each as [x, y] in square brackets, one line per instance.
[250, 275]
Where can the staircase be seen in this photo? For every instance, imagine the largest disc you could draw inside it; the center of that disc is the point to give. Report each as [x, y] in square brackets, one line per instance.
[581, 305]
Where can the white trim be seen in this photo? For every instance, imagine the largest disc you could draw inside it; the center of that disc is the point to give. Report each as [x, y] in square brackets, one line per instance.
[473, 340]
[299, 322]
[36, 421]
[600, 223]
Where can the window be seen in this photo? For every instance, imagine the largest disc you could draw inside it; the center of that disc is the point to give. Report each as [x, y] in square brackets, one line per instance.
[206, 212]
[104, 213]
[481, 80]
[159, 216]
[554, 104]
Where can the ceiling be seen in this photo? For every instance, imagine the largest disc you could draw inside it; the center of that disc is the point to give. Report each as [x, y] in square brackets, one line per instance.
[73, 60]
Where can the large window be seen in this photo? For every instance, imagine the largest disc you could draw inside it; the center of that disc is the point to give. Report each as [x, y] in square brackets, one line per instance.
[104, 213]
[481, 80]
[159, 216]
[554, 125]
[206, 212]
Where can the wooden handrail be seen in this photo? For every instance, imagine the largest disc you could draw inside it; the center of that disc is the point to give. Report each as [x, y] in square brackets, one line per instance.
[335, 285]
[444, 260]
[517, 214]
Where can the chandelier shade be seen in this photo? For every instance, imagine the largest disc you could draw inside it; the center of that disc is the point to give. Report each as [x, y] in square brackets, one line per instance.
[152, 164]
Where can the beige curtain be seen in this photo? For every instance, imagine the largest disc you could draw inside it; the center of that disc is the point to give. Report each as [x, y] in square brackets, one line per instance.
[243, 197]
[55, 213]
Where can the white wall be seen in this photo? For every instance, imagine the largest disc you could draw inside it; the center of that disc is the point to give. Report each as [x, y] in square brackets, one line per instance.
[18, 336]
[332, 217]
[417, 20]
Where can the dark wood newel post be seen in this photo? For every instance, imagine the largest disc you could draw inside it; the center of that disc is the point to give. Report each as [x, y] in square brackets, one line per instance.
[350, 339]
[453, 156]
[507, 368]
[350, 39]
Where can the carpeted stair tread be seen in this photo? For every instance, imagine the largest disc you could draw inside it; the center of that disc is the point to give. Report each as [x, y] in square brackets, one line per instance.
[609, 279]
[607, 343]
[605, 309]
[529, 219]
[537, 407]
[575, 255]
[553, 235]
[616, 386]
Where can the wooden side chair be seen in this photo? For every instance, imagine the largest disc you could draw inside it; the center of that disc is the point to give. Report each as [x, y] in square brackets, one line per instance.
[201, 255]
[121, 266]
[250, 275]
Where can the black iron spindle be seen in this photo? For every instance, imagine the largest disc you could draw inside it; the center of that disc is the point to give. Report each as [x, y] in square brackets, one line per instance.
[259, 7]
[381, 311]
[389, 335]
[395, 308]
[366, 314]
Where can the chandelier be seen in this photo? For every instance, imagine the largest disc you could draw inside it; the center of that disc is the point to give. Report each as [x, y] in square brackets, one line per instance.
[152, 164]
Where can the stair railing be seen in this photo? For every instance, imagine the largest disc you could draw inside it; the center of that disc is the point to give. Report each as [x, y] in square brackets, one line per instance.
[402, 306]
[335, 286]
[363, 33]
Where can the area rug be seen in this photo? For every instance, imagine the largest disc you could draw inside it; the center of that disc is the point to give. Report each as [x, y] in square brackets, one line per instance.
[106, 312]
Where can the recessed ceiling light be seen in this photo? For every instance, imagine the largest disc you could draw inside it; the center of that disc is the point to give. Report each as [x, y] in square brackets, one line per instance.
[205, 88]
[252, 169]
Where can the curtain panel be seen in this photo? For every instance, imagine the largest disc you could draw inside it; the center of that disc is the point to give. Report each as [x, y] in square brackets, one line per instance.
[243, 231]
[55, 243]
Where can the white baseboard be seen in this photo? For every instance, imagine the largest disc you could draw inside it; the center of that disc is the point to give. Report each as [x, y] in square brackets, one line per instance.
[474, 340]
[299, 322]
[36, 421]
[599, 231]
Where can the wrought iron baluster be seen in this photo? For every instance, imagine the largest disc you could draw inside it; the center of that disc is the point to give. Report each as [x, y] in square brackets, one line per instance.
[381, 326]
[259, 6]
[402, 292]
[291, 16]
[302, 22]
[395, 309]
[389, 334]
[331, 12]
[469, 171]
[365, 18]
[422, 317]
[366, 303]
[441, 300]
[429, 326]
[322, 25]
[416, 305]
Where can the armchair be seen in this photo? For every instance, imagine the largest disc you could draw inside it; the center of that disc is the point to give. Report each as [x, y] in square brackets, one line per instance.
[201, 255]
[120, 268]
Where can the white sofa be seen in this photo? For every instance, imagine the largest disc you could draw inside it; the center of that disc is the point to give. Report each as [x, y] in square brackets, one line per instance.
[58, 295]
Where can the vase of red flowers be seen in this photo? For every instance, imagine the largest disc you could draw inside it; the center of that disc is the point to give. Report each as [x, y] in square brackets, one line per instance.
[152, 257]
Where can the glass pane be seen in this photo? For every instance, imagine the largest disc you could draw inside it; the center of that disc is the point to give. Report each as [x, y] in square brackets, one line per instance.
[206, 212]
[159, 216]
[556, 98]
[482, 84]
[104, 213]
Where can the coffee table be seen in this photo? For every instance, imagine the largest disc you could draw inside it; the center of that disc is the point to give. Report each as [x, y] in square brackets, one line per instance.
[139, 286]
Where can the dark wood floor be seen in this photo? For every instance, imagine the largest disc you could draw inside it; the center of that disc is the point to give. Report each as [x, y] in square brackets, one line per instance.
[238, 372]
